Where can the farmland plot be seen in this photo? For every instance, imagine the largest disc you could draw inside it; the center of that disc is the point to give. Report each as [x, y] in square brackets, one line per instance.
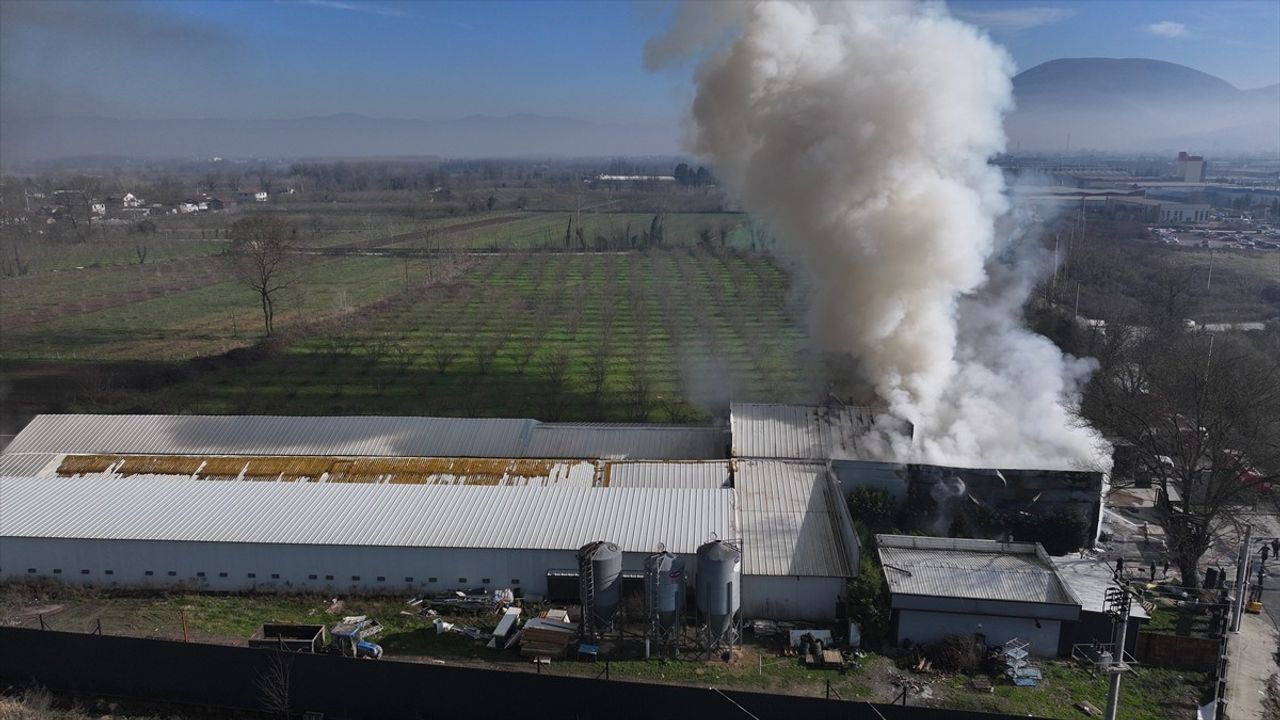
[664, 336]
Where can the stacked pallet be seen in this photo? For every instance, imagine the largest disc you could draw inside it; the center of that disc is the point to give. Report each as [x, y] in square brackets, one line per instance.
[547, 636]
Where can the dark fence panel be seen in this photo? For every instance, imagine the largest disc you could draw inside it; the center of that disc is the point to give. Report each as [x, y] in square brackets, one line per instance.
[1180, 652]
[241, 678]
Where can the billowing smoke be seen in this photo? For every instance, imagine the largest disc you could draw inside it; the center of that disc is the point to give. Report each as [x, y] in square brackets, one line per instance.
[861, 132]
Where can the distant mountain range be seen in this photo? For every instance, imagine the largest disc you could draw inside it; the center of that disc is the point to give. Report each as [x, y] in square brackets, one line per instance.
[342, 135]
[1081, 103]
[1136, 104]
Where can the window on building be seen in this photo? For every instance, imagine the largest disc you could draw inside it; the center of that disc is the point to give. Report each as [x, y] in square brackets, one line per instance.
[408, 578]
[84, 572]
[109, 572]
[57, 571]
[381, 579]
[355, 577]
[172, 573]
[431, 580]
[253, 575]
[200, 574]
[31, 570]
[222, 574]
[484, 581]
[149, 573]
[275, 576]
[462, 580]
[328, 577]
[312, 577]
[515, 581]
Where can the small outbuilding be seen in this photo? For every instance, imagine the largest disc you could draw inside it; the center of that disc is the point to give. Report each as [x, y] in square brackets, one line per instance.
[1000, 590]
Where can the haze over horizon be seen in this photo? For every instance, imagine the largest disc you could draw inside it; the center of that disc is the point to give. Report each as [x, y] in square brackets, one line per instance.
[507, 66]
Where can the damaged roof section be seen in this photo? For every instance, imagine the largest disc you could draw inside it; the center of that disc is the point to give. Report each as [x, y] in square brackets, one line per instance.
[798, 432]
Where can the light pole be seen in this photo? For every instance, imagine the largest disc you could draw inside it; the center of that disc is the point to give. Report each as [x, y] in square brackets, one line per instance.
[1242, 577]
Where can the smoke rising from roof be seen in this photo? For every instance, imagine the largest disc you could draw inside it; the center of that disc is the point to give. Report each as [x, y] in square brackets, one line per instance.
[861, 132]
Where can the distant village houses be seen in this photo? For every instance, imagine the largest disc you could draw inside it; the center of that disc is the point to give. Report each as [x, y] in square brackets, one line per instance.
[252, 195]
[130, 201]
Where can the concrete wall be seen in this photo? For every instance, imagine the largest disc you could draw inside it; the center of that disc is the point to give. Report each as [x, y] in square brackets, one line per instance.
[791, 598]
[922, 626]
[286, 568]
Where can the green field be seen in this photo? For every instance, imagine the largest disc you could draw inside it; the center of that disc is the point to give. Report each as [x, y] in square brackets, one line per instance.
[112, 314]
[639, 336]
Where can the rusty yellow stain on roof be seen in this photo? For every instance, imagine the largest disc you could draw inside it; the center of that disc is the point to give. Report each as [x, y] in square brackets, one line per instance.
[425, 471]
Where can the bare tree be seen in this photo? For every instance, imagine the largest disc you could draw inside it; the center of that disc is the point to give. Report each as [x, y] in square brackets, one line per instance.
[443, 352]
[640, 391]
[1202, 414]
[274, 682]
[555, 370]
[260, 252]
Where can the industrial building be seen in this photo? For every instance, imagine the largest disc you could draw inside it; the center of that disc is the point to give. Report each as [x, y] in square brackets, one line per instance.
[377, 504]
[369, 504]
[1001, 591]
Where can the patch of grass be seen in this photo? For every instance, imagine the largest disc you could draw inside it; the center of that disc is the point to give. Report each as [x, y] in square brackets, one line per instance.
[1146, 694]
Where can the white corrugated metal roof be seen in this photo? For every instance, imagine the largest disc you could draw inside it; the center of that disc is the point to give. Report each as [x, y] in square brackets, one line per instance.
[610, 441]
[273, 435]
[528, 517]
[789, 522]
[363, 436]
[976, 569]
[706, 474]
[1089, 578]
[812, 432]
[25, 464]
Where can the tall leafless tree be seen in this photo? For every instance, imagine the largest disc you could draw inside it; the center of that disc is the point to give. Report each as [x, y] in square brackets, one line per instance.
[261, 253]
[1201, 414]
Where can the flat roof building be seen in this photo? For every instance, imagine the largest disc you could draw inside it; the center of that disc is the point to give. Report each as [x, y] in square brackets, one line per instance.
[945, 586]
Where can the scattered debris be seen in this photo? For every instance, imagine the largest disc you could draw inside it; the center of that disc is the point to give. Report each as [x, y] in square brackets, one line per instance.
[547, 636]
[1088, 709]
[506, 626]
[1018, 668]
[981, 683]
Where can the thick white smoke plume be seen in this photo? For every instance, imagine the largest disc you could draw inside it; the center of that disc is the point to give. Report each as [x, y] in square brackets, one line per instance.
[861, 132]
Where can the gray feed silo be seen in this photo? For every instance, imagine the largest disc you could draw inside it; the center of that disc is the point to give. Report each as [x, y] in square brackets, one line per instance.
[664, 589]
[719, 592]
[599, 584]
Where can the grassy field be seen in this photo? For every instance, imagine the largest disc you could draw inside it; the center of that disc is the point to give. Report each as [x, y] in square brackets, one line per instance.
[174, 311]
[646, 335]
[639, 336]
[1148, 694]
[600, 229]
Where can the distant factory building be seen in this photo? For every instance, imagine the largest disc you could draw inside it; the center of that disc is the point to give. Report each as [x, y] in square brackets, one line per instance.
[1157, 211]
[1001, 591]
[1191, 168]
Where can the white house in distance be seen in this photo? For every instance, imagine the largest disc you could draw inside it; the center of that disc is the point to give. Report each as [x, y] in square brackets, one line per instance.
[252, 195]
[98, 207]
[130, 201]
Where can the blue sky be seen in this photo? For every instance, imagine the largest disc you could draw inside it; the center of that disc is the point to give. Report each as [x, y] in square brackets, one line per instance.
[444, 60]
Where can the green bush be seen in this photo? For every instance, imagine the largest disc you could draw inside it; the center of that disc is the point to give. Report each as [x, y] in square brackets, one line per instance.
[869, 601]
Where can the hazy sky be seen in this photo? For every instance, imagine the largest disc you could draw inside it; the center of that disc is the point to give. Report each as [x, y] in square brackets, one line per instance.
[446, 60]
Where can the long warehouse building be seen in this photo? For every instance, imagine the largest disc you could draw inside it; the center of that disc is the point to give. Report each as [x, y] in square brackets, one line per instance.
[393, 504]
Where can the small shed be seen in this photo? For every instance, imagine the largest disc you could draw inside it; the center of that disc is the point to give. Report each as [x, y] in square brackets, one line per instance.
[1000, 590]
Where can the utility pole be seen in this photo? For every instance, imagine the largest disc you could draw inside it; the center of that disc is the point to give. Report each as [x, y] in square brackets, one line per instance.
[1209, 284]
[1242, 576]
[1118, 601]
[1076, 312]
